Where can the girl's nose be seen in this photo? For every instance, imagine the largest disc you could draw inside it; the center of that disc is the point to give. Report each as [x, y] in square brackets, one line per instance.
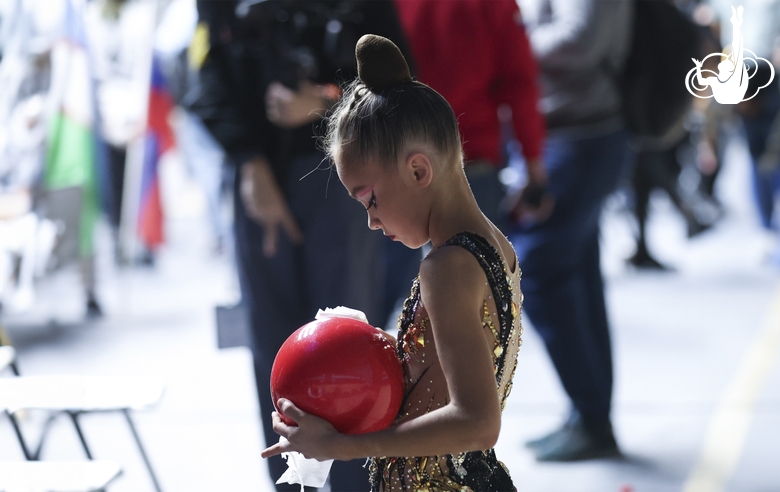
[373, 223]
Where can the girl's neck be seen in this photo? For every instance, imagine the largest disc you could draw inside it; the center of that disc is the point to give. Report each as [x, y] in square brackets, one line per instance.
[455, 210]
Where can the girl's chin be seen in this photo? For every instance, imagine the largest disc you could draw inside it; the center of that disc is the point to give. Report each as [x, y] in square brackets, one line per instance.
[411, 244]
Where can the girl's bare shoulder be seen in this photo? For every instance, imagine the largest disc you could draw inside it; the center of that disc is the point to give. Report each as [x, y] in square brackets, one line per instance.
[452, 271]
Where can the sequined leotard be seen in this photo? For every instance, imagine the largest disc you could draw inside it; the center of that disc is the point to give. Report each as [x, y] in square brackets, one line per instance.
[426, 388]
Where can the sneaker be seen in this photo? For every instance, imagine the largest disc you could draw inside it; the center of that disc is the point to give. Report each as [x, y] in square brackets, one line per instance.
[695, 228]
[540, 442]
[575, 442]
[94, 310]
[644, 261]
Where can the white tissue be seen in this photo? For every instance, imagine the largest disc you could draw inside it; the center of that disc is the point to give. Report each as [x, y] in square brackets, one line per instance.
[341, 312]
[305, 471]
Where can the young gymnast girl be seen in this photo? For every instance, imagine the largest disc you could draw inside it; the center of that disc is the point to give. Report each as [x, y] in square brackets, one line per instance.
[396, 147]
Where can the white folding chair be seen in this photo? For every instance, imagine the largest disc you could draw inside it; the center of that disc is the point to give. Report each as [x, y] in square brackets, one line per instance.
[57, 476]
[76, 395]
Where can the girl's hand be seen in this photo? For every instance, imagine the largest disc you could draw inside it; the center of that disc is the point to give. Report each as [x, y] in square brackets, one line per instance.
[313, 437]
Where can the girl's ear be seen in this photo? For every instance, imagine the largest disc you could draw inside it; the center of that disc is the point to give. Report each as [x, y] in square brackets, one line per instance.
[419, 169]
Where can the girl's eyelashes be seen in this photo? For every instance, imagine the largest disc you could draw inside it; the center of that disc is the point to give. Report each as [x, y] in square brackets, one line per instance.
[371, 201]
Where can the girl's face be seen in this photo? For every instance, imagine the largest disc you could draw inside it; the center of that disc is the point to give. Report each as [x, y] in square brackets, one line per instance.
[391, 204]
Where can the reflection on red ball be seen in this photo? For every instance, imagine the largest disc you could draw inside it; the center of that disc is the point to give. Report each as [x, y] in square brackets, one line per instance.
[342, 370]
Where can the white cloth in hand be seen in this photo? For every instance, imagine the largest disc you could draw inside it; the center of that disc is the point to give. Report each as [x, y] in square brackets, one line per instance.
[341, 312]
[304, 471]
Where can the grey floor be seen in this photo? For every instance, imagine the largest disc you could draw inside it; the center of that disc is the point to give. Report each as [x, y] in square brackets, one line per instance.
[697, 393]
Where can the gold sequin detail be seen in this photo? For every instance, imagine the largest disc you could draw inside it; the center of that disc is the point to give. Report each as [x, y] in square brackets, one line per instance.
[443, 473]
[415, 336]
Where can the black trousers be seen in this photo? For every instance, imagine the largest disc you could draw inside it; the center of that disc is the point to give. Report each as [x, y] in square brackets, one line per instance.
[116, 175]
[338, 263]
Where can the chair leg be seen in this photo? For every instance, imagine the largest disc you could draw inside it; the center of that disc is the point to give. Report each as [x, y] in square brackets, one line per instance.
[28, 454]
[75, 419]
[141, 449]
[15, 423]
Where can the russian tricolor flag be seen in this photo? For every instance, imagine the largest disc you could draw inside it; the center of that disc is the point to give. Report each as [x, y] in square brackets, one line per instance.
[159, 140]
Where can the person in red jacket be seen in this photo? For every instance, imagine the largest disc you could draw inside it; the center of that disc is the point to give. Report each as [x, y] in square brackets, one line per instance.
[476, 54]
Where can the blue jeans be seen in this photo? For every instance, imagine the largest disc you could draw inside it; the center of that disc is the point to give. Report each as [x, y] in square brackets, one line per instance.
[766, 183]
[562, 281]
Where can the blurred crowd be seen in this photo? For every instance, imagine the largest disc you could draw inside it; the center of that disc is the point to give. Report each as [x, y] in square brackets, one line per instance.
[96, 95]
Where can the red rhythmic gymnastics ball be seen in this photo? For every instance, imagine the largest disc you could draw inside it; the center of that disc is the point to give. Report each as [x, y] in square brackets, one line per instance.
[342, 370]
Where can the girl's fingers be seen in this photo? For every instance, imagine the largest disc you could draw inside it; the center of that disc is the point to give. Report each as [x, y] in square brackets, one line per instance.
[289, 409]
[272, 451]
[280, 427]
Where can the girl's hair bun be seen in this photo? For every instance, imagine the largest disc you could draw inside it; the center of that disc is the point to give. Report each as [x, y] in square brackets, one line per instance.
[380, 63]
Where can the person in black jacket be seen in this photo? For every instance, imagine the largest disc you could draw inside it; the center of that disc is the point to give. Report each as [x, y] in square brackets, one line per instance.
[272, 71]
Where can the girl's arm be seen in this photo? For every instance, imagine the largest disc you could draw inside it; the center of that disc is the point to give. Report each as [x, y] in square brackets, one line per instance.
[452, 285]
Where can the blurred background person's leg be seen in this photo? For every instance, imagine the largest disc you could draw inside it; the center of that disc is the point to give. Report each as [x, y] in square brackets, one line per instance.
[561, 267]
